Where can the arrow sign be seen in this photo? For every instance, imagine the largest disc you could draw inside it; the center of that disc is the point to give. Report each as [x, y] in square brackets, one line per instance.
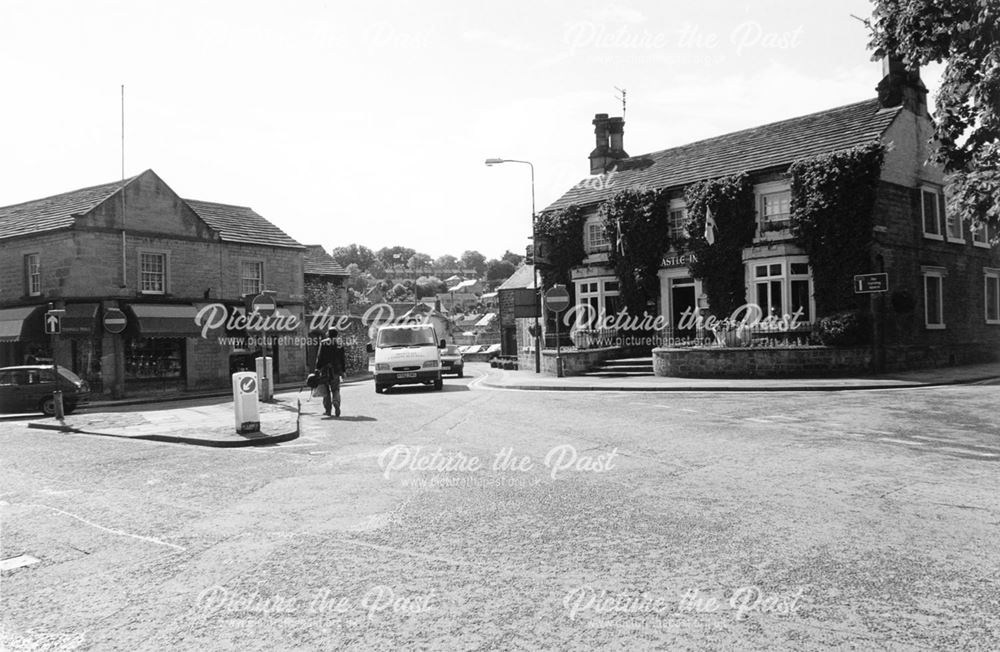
[53, 322]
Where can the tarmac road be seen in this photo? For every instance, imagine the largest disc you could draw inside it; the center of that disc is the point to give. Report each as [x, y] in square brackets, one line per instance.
[478, 518]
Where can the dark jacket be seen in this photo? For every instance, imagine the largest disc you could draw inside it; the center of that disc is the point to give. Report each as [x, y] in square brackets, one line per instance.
[331, 359]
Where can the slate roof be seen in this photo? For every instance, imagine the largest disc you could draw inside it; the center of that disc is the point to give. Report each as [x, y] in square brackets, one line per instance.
[233, 223]
[241, 224]
[760, 148]
[53, 213]
[317, 262]
[523, 277]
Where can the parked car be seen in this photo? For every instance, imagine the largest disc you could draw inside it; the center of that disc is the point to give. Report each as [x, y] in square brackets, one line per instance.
[29, 388]
[451, 361]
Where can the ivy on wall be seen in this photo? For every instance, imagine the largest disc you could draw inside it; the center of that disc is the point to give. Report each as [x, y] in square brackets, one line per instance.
[832, 200]
[637, 226]
[563, 232]
[720, 265]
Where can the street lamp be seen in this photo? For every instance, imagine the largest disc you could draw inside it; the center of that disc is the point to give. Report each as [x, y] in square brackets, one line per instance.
[534, 271]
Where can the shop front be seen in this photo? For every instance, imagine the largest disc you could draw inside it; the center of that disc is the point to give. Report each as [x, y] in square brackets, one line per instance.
[680, 295]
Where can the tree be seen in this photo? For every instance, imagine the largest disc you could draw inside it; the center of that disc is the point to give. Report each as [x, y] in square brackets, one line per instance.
[399, 292]
[395, 256]
[965, 34]
[429, 286]
[474, 260]
[498, 270]
[419, 261]
[512, 258]
[354, 254]
[446, 261]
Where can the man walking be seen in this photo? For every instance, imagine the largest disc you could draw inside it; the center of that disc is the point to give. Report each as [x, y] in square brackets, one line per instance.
[331, 364]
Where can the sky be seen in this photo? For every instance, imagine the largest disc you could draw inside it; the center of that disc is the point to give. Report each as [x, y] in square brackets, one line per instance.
[370, 123]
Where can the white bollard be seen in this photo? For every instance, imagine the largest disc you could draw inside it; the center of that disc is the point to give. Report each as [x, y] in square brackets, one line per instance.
[265, 376]
[245, 386]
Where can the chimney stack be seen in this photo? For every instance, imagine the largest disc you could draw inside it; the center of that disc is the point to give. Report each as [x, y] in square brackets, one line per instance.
[901, 86]
[609, 133]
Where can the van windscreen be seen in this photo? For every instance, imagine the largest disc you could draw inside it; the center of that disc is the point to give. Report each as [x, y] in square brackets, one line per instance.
[405, 337]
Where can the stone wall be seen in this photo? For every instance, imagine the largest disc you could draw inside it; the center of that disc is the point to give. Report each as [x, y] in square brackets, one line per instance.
[574, 362]
[809, 362]
[799, 362]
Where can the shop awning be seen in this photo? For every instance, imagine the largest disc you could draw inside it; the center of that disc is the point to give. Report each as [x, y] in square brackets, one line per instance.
[80, 319]
[165, 320]
[18, 324]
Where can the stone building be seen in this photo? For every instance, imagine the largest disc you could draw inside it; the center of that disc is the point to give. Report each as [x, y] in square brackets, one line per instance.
[181, 271]
[947, 273]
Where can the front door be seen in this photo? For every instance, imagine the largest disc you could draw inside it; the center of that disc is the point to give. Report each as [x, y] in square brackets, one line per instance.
[682, 298]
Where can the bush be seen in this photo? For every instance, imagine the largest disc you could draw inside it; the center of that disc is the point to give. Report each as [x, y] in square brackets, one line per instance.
[848, 328]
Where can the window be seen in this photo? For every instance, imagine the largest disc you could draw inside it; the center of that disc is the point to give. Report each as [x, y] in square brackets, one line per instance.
[782, 286]
[152, 273]
[252, 275]
[954, 225]
[981, 234]
[601, 296]
[934, 297]
[676, 220]
[769, 286]
[931, 212]
[775, 211]
[597, 238]
[32, 275]
[992, 286]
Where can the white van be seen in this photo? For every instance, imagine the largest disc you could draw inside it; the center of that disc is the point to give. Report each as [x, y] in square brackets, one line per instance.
[406, 355]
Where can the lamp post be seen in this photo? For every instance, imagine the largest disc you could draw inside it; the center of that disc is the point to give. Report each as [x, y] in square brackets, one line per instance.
[534, 271]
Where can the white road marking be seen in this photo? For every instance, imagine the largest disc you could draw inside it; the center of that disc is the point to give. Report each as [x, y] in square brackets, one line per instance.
[107, 529]
[17, 562]
[966, 451]
[901, 441]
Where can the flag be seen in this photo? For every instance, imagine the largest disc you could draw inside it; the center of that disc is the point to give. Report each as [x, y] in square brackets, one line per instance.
[710, 226]
[621, 240]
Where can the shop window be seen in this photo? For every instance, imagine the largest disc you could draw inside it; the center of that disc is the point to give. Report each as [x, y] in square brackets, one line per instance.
[934, 297]
[252, 277]
[154, 359]
[32, 275]
[992, 288]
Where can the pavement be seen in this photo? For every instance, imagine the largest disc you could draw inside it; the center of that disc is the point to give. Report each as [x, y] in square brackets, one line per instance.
[529, 380]
[214, 424]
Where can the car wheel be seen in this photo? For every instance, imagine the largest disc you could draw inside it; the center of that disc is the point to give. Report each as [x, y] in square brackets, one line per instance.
[379, 389]
[48, 406]
[438, 384]
[460, 374]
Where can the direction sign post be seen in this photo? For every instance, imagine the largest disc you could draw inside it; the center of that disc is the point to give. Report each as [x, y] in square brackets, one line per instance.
[53, 326]
[557, 300]
[265, 305]
[875, 285]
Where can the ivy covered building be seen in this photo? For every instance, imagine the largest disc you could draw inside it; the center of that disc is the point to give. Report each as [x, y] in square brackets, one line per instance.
[795, 209]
